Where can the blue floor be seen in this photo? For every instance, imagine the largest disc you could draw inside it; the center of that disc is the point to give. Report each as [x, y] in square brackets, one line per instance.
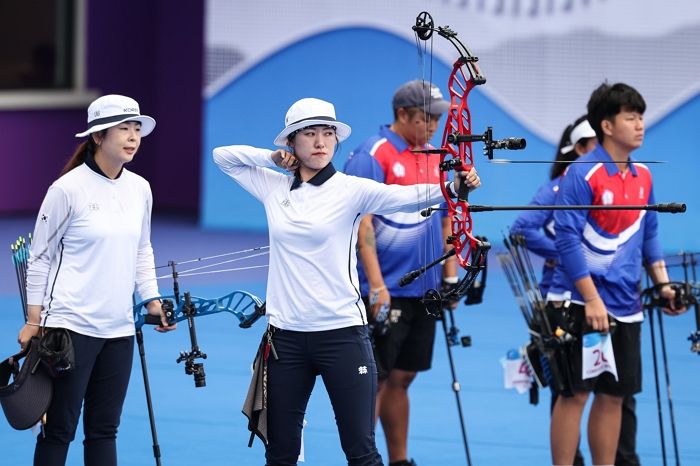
[204, 426]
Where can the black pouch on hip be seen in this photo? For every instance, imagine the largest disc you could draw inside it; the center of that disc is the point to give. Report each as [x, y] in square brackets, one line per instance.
[56, 351]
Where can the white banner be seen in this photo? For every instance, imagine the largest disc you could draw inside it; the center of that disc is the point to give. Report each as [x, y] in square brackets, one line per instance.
[542, 58]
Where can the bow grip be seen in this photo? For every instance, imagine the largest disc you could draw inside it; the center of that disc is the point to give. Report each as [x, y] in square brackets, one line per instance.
[457, 166]
[168, 310]
[248, 321]
[463, 192]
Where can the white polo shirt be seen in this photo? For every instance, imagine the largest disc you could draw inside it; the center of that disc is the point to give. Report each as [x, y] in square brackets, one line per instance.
[312, 281]
[91, 245]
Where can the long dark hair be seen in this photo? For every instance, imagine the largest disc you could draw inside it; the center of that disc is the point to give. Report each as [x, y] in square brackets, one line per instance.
[569, 155]
[81, 153]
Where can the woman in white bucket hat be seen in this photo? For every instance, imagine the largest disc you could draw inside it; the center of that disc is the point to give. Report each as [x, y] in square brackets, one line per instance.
[317, 323]
[91, 245]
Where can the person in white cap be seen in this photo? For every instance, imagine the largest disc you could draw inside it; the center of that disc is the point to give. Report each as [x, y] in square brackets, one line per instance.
[317, 321]
[537, 226]
[91, 247]
[403, 341]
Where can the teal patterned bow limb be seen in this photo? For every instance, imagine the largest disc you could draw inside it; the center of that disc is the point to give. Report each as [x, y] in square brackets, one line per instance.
[246, 307]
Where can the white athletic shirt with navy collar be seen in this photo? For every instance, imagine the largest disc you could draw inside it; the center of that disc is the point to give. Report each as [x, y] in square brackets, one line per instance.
[312, 281]
[91, 245]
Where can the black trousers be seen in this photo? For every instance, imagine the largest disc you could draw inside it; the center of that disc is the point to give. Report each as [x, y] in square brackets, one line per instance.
[344, 360]
[627, 446]
[98, 382]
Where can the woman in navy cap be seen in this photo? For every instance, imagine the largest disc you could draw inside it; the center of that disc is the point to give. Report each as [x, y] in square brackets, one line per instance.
[91, 247]
[317, 321]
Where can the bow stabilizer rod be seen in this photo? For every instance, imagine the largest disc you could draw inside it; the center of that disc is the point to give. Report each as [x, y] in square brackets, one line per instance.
[550, 162]
[411, 276]
[670, 208]
[666, 208]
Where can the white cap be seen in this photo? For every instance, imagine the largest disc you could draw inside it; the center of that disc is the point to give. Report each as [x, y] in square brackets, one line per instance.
[581, 131]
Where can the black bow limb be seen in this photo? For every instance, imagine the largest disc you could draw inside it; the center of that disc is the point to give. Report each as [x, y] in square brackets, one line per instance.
[434, 300]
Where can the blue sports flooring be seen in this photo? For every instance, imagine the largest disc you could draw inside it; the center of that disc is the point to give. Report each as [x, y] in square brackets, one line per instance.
[204, 426]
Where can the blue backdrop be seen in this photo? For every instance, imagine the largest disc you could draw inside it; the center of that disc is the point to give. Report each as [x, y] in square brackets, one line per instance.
[251, 109]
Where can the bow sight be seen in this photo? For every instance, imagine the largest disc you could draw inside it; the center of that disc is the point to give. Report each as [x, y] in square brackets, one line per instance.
[489, 144]
[246, 307]
[191, 367]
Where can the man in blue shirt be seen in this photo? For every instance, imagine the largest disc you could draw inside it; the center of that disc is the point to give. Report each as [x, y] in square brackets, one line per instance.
[391, 245]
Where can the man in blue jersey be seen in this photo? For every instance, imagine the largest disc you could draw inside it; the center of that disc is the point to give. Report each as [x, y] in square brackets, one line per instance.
[391, 245]
[596, 281]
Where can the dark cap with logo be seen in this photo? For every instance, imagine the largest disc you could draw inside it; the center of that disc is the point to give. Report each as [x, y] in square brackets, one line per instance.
[421, 94]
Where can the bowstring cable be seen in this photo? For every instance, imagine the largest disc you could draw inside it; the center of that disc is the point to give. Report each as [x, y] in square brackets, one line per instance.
[209, 272]
[215, 264]
[201, 259]
[427, 245]
[259, 251]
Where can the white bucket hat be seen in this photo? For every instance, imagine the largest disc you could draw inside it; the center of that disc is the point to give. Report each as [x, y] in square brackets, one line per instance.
[311, 112]
[110, 110]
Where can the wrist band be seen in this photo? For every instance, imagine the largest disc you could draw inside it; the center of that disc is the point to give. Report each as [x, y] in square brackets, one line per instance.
[32, 324]
[374, 294]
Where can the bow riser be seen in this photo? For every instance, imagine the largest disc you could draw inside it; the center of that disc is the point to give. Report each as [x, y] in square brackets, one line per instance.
[458, 157]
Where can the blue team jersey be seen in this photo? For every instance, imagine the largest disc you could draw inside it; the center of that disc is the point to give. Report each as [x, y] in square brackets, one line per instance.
[537, 226]
[404, 241]
[607, 245]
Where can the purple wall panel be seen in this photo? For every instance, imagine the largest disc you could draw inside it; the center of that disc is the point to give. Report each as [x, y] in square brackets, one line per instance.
[178, 65]
[36, 145]
[150, 51]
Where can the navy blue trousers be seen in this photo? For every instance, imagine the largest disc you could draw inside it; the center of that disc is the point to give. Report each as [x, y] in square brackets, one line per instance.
[344, 360]
[99, 380]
